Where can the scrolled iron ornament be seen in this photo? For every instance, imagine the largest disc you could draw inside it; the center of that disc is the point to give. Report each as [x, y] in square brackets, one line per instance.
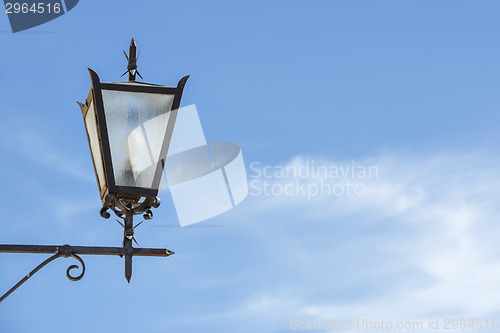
[123, 206]
[63, 251]
[104, 213]
[70, 268]
[148, 215]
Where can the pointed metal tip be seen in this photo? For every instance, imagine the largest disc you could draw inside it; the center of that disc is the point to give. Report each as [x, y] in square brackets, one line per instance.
[81, 105]
[128, 274]
[128, 267]
[132, 41]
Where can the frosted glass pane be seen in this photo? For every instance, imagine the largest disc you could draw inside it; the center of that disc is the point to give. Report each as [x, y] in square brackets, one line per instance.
[95, 147]
[137, 124]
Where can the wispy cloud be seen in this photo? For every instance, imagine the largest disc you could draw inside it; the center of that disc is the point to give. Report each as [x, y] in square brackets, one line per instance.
[34, 144]
[420, 243]
[56, 172]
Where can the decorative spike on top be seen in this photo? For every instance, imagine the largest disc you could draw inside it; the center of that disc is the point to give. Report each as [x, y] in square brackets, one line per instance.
[132, 62]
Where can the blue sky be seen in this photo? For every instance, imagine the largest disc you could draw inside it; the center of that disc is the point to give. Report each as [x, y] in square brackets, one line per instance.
[410, 87]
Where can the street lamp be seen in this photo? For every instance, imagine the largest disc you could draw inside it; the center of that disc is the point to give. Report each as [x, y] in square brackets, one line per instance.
[129, 126]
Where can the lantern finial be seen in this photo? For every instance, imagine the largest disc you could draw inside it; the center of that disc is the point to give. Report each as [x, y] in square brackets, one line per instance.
[132, 61]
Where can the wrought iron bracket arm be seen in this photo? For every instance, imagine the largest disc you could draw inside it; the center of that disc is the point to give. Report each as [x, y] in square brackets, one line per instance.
[84, 250]
[63, 251]
[67, 251]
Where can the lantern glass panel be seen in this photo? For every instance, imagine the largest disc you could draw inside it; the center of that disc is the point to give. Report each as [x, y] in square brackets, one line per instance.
[137, 124]
[95, 147]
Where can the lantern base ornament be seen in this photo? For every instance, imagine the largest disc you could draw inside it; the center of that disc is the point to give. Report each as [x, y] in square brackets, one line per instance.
[123, 205]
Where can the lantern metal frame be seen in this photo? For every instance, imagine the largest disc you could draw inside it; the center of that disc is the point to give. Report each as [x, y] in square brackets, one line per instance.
[95, 95]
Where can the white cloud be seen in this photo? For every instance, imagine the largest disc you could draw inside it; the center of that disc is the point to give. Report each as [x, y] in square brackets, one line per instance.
[421, 243]
[33, 143]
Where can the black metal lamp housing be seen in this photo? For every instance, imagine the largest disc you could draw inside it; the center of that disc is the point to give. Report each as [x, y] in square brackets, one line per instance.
[129, 126]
